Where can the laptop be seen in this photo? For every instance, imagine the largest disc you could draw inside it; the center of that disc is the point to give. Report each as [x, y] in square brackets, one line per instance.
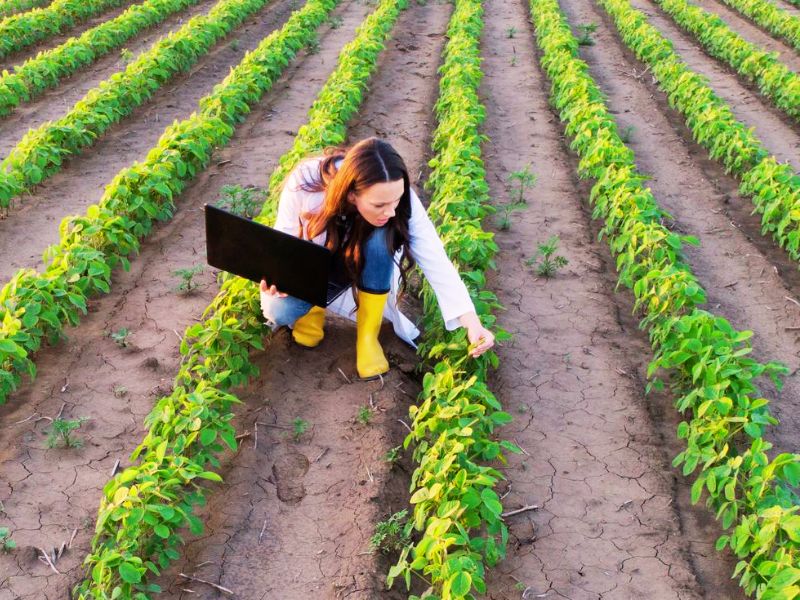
[254, 251]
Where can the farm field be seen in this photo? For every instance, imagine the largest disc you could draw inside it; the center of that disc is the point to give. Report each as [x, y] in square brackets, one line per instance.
[616, 180]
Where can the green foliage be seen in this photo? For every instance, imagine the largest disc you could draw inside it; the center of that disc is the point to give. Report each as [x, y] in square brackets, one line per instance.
[22, 30]
[187, 276]
[525, 179]
[453, 431]
[10, 7]
[772, 17]
[41, 152]
[506, 210]
[547, 264]
[126, 56]
[6, 543]
[145, 506]
[511, 31]
[390, 535]
[299, 427]
[335, 21]
[34, 306]
[392, 455]
[774, 79]
[48, 67]
[61, 432]
[711, 375]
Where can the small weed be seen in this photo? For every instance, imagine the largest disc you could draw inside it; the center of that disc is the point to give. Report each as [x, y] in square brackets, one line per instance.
[6, 543]
[126, 56]
[300, 427]
[389, 535]
[511, 31]
[235, 45]
[522, 409]
[514, 61]
[504, 219]
[549, 264]
[335, 21]
[586, 30]
[120, 391]
[364, 415]
[392, 455]
[422, 2]
[187, 276]
[312, 46]
[525, 179]
[61, 432]
[521, 587]
[121, 337]
[625, 134]
[243, 201]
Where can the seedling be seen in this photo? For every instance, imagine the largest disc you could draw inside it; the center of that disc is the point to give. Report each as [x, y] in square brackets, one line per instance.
[243, 201]
[187, 278]
[61, 432]
[514, 61]
[126, 56]
[525, 178]
[300, 427]
[511, 31]
[586, 30]
[521, 587]
[121, 337]
[392, 455]
[625, 134]
[504, 220]
[120, 391]
[364, 415]
[390, 535]
[335, 21]
[6, 543]
[549, 263]
[235, 44]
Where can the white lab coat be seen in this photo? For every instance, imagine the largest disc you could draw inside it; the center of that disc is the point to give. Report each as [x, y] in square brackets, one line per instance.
[425, 246]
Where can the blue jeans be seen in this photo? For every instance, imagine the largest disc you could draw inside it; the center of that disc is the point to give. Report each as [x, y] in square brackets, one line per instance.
[376, 278]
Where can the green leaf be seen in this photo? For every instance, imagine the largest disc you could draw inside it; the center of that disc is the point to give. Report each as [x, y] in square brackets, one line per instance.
[129, 573]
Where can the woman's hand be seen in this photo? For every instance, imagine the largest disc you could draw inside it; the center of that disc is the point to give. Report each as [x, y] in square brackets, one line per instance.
[271, 290]
[478, 335]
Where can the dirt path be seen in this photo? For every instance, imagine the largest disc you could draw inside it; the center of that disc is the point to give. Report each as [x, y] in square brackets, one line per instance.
[776, 130]
[747, 277]
[17, 57]
[48, 493]
[54, 103]
[752, 33]
[83, 179]
[614, 520]
[293, 519]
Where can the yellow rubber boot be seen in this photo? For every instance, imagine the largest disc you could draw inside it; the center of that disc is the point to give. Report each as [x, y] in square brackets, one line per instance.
[307, 330]
[370, 360]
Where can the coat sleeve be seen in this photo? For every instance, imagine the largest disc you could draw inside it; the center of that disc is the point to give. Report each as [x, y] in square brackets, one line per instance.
[427, 249]
[290, 204]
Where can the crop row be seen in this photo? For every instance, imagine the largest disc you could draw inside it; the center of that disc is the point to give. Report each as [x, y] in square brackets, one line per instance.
[42, 151]
[36, 306]
[770, 16]
[22, 30]
[47, 68]
[774, 79]
[453, 424]
[712, 377]
[146, 504]
[773, 186]
[10, 7]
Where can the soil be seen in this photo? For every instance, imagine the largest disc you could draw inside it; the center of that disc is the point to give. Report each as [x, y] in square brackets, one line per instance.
[294, 515]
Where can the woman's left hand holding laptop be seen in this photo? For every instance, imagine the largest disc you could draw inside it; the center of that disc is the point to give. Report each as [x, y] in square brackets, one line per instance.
[271, 289]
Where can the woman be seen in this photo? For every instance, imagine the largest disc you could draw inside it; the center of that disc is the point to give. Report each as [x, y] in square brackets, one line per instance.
[359, 203]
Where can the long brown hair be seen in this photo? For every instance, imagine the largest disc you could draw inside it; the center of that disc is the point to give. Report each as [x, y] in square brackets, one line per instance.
[366, 163]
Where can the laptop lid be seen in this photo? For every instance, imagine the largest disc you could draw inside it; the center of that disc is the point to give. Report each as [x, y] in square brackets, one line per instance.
[254, 251]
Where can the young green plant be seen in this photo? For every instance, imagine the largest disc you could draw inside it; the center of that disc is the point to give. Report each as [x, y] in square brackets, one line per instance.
[61, 431]
[550, 263]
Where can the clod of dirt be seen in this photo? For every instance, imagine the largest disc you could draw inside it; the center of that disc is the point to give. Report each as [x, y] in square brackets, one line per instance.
[151, 362]
[288, 472]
